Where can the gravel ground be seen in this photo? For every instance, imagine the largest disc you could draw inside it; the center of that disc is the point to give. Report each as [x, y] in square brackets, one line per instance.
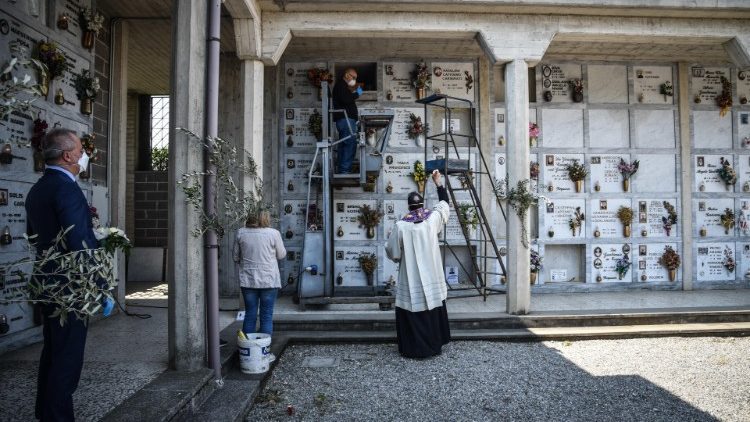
[662, 379]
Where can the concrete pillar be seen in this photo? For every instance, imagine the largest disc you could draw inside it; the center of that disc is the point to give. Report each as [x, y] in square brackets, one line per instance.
[118, 141]
[686, 177]
[187, 110]
[251, 74]
[517, 102]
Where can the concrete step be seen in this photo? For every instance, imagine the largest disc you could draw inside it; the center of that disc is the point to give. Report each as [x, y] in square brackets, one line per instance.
[385, 321]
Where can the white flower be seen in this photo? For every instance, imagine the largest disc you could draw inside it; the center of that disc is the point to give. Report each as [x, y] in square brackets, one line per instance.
[26, 79]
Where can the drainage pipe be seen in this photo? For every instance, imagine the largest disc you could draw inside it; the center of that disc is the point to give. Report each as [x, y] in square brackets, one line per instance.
[210, 238]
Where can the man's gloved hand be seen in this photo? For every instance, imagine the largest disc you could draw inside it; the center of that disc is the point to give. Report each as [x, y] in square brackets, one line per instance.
[359, 90]
[109, 304]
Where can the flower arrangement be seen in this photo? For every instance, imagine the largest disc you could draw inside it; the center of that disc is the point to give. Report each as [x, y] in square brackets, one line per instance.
[521, 199]
[729, 263]
[628, 169]
[416, 127]
[419, 175]
[577, 221]
[90, 20]
[421, 78]
[86, 85]
[576, 171]
[727, 220]
[369, 217]
[368, 262]
[87, 141]
[112, 239]
[577, 85]
[316, 76]
[625, 215]
[727, 173]
[52, 58]
[533, 133]
[622, 266]
[666, 89]
[671, 218]
[467, 215]
[315, 124]
[669, 259]
[535, 261]
[534, 170]
[724, 100]
[469, 80]
[39, 131]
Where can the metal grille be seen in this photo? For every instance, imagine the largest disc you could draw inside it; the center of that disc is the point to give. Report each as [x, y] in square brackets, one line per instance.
[159, 121]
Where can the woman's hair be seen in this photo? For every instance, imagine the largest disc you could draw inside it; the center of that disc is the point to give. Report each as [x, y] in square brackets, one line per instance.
[258, 219]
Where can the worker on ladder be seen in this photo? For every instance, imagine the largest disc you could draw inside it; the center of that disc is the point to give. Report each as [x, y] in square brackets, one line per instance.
[345, 92]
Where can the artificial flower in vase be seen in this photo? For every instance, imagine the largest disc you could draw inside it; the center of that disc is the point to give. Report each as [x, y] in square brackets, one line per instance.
[417, 129]
[368, 262]
[622, 266]
[369, 218]
[87, 88]
[533, 134]
[419, 175]
[91, 23]
[671, 218]
[627, 170]
[576, 222]
[535, 265]
[625, 215]
[727, 220]
[421, 78]
[577, 172]
[727, 173]
[670, 260]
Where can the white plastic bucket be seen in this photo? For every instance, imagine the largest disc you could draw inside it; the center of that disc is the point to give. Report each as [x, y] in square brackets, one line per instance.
[254, 352]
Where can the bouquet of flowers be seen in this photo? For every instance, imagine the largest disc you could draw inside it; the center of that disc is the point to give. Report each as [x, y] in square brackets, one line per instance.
[622, 265]
[727, 220]
[727, 173]
[533, 133]
[40, 130]
[368, 262]
[577, 85]
[315, 124]
[87, 141]
[112, 239]
[577, 220]
[419, 175]
[724, 100]
[416, 127]
[467, 214]
[90, 20]
[535, 261]
[369, 217]
[729, 263]
[86, 85]
[628, 169]
[421, 77]
[670, 219]
[625, 215]
[50, 56]
[576, 171]
[669, 259]
[534, 170]
[316, 76]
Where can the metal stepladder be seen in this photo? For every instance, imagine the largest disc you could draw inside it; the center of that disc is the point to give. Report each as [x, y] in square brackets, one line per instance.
[317, 283]
[483, 249]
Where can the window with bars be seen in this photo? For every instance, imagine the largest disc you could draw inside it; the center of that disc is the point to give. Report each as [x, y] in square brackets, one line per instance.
[159, 132]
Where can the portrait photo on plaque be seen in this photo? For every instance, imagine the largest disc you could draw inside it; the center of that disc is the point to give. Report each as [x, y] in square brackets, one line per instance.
[290, 114]
[701, 206]
[744, 118]
[701, 161]
[603, 205]
[642, 264]
[339, 255]
[501, 118]
[3, 197]
[642, 250]
[550, 208]
[550, 160]
[597, 251]
[596, 160]
[339, 207]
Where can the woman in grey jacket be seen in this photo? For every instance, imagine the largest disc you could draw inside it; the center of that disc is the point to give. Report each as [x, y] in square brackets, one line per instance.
[257, 249]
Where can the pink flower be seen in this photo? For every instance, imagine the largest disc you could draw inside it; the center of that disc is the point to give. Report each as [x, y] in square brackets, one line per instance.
[533, 130]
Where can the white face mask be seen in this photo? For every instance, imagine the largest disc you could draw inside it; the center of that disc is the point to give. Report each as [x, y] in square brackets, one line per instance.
[351, 82]
[83, 162]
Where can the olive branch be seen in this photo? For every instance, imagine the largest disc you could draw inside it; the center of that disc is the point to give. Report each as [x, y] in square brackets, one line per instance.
[520, 198]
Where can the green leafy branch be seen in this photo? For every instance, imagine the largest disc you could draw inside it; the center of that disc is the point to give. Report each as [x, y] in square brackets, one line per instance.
[520, 198]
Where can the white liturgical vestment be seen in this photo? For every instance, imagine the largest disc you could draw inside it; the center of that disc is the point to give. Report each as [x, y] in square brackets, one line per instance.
[421, 280]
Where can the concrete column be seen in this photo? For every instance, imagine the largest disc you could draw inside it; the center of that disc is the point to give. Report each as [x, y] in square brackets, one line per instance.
[252, 73]
[686, 177]
[118, 141]
[517, 123]
[485, 138]
[187, 296]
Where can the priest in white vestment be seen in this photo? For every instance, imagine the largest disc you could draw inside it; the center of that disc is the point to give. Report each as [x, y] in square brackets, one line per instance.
[421, 316]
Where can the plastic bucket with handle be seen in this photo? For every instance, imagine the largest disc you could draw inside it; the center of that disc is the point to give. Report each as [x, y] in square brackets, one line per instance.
[253, 352]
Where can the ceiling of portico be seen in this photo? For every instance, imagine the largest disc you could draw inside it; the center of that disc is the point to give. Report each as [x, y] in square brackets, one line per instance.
[374, 48]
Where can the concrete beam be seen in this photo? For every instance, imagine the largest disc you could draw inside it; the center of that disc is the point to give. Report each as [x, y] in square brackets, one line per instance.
[247, 37]
[243, 9]
[518, 297]
[738, 49]
[187, 298]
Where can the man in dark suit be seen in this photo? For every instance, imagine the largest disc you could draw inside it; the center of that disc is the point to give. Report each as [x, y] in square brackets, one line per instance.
[54, 203]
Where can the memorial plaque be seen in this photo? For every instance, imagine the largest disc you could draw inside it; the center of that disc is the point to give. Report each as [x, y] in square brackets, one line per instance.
[609, 129]
[708, 214]
[706, 83]
[346, 269]
[389, 268]
[604, 172]
[707, 173]
[647, 84]
[297, 88]
[397, 81]
[648, 215]
[296, 173]
[453, 231]
[743, 173]
[556, 79]
[742, 220]
[20, 316]
[13, 30]
[562, 128]
[556, 215]
[710, 259]
[711, 130]
[296, 131]
[604, 262]
[290, 265]
[645, 259]
[395, 210]
[345, 213]
[743, 250]
[399, 137]
[13, 213]
[76, 64]
[604, 217]
[72, 8]
[743, 84]
[501, 171]
[293, 220]
[555, 173]
[501, 136]
[743, 129]
[17, 130]
[608, 83]
[454, 79]
[396, 170]
[36, 9]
